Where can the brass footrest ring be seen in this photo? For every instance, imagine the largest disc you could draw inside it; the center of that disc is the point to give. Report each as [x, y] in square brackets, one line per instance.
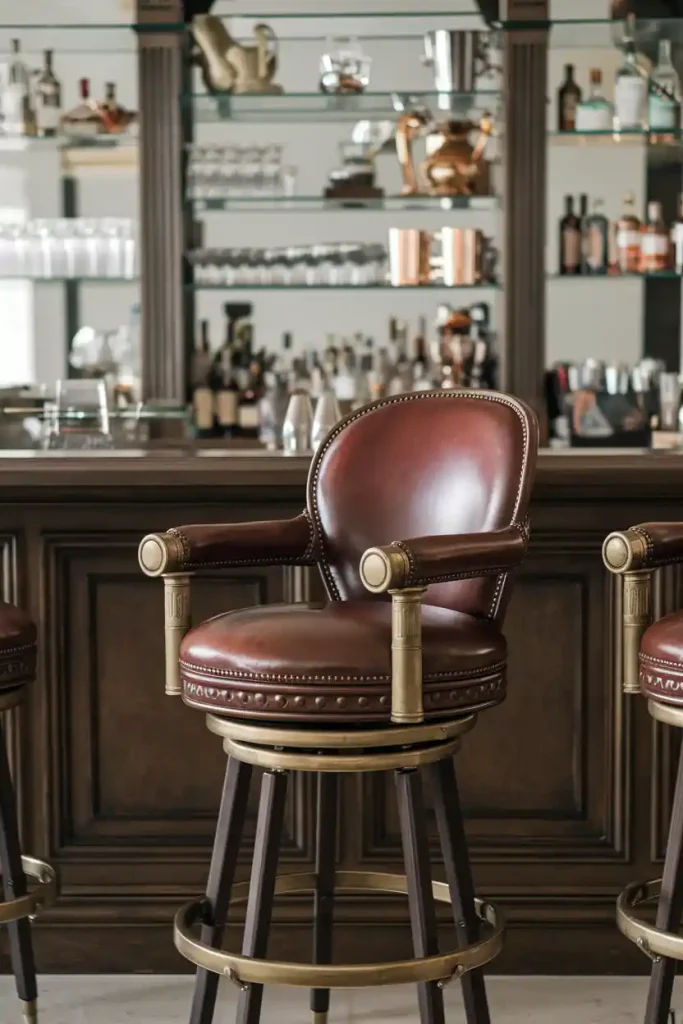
[370, 761]
[41, 896]
[244, 969]
[654, 942]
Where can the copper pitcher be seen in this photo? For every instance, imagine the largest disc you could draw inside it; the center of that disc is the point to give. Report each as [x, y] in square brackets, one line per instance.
[458, 168]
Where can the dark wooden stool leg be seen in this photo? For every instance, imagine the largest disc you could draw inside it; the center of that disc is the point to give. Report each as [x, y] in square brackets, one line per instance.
[226, 846]
[459, 877]
[422, 914]
[669, 910]
[323, 898]
[14, 883]
[271, 815]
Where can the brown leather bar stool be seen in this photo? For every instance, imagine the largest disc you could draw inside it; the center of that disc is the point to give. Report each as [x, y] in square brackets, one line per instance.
[652, 663]
[363, 683]
[17, 669]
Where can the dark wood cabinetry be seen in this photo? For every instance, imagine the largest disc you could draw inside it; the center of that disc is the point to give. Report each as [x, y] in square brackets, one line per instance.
[567, 785]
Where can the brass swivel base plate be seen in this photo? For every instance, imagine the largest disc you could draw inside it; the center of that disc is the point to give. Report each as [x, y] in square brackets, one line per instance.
[243, 970]
[41, 896]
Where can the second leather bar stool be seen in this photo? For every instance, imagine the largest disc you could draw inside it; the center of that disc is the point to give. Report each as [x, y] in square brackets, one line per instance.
[389, 675]
[17, 671]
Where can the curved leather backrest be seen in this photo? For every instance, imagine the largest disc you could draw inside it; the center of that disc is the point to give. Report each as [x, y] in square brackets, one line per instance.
[422, 464]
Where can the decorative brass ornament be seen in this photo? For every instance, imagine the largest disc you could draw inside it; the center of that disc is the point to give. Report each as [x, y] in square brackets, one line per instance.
[623, 553]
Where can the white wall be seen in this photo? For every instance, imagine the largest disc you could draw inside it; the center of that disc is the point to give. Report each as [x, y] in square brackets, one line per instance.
[584, 317]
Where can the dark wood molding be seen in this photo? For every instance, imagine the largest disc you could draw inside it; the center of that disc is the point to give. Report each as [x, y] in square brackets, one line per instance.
[161, 78]
[524, 85]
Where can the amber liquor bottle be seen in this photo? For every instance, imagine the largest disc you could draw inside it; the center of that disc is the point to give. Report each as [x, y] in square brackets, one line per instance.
[203, 399]
[568, 99]
[570, 240]
[655, 245]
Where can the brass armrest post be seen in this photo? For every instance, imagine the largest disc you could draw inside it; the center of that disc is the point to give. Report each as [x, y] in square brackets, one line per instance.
[158, 553]
[406, 656]
[383, 570]
[623, 553]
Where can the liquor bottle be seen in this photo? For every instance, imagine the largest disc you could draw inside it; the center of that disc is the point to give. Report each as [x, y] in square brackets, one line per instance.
[677, 237]
[570, 240]
[345, 381]
[664, 97]
[568, 98]
[85, 119]
[227, 394]
[48, 93]
[595, 113]
[17, 110]
[596, 240]
[202, 389]
[654, 242]
[628, 238]
[630, 88]
[116, 117]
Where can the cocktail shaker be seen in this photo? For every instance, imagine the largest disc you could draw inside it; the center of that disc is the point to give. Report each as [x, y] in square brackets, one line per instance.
[296, 429]
[327, 415]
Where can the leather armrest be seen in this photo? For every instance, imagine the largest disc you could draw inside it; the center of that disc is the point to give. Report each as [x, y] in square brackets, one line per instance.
[647, 546]
[210, 546]
[425, 560]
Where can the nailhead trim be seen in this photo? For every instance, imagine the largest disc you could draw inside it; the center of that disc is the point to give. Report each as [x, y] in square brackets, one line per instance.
[240, 701]
[314, 474]
[276, 677]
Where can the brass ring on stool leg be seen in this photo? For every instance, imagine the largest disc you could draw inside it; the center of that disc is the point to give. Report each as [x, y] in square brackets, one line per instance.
[43, 895]
[669, 714]
[243, 969]
[370, 761]
[653, 941]
[335, 737]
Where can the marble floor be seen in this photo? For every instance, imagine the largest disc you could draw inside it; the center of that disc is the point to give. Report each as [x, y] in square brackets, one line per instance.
[147, 999]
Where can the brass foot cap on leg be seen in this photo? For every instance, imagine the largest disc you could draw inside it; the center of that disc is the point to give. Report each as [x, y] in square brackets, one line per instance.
[318, 1016]
[30, 1011]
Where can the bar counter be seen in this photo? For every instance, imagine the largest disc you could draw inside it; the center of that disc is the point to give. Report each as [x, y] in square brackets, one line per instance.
[567, 785]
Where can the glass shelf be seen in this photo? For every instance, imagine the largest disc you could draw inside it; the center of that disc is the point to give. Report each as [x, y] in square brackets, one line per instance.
[602, 32]
[77, 280]
[282, 204]
[378, 9]
[339, 287]
[662, 275]
[316, 106]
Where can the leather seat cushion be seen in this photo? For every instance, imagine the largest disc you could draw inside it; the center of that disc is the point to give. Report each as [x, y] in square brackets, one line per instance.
[333, 662]
[17, 646]
[661, 659]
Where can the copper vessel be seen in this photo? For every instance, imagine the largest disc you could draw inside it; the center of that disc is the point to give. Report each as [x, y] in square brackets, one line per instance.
[457, 167]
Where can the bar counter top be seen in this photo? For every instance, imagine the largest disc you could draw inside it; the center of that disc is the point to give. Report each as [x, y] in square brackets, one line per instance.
[594, 471]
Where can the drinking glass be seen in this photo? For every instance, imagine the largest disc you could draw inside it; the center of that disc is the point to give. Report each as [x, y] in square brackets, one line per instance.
[669, 400]
[79, 419]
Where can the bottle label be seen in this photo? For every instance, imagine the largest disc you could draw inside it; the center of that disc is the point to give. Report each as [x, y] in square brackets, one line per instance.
[662, 113]
[47, 117]
[568, 106]
[677, 237]
[203, 408]
[629, 100]
[652, 244]
[593, 117]
[571, 249]
[248, 417]
[226, 408]
[13, 98]
[596, 248]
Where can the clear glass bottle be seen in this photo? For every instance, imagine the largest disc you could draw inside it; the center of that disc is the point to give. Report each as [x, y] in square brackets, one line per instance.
[48, 93]
[596, 240]
[17, 109]
[630, 87]
[654, 242]
[595, 113]
[664, 97]
[628, 238]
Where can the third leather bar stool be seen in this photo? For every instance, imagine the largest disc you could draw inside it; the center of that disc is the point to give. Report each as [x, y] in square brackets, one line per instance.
[387, 676]
[652, 663]
[17, 670]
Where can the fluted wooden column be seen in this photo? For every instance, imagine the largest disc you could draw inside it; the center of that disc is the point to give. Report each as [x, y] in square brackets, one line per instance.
[160, 63]
[525, 87]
